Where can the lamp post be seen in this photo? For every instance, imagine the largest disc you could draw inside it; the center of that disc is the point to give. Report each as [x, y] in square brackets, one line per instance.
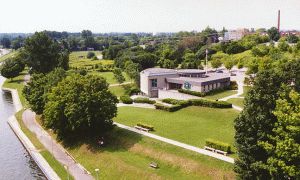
[97, 170]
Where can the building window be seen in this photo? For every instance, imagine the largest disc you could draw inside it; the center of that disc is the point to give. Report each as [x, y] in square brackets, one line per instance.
[153, 82]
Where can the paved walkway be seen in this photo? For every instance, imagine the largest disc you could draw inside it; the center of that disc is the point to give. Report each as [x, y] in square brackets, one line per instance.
[179, 144]
[112, 85]
[60, 154]
[140, 105]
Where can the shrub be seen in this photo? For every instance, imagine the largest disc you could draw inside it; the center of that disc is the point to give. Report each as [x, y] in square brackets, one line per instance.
[233, 85]
[194, 93]
[95, 58]
[167, 108]
[90, 55]
[126, 99]
[82, 72]
[210, 103]
[151, 128]
[143, 100]
[218, 145]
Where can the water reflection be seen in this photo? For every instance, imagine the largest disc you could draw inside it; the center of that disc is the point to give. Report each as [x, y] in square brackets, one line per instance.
[15, 162]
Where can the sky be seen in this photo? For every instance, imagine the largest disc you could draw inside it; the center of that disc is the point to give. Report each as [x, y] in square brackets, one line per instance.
[145, 16]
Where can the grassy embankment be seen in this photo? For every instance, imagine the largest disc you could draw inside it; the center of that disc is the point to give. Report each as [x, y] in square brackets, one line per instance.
[18, 83]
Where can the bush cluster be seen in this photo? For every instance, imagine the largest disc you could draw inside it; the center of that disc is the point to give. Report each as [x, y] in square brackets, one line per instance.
[151, 128]
[218, 145]
[167, 108]
[179, 104]
[194, 93]
[126, 99]
[143, 100]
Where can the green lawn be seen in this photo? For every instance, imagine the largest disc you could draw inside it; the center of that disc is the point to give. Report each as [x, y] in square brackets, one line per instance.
[237, 101]
[17, 83]
[109, 76]
[128, 155]
[191, 125]
[9, 55]
[246, 90]
[221, 95]
[81, 62]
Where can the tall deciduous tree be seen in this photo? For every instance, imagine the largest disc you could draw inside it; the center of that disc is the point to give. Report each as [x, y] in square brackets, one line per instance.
[80, 106]
[12, 67]
[284, 144]
[42, 54]
[256, 121]
[273, 34]
[118, 75]
[36, 90]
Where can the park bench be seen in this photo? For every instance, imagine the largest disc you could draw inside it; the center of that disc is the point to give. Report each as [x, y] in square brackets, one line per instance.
[141, 128]
[209, 148]
[153, 165]
[221, 152]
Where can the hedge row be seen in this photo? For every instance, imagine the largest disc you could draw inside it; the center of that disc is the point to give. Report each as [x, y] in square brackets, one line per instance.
[167, 108]
[144, 100]
[210, 103]
[198, 102]
[218, 145]
[126, 99]
[151, 128]
[194, 93]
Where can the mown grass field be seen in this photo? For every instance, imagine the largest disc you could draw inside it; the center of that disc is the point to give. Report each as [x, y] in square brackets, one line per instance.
[78, 62]
[236, 101]
[128, 155]
[191, 125]
[246, 90]
[221, 95]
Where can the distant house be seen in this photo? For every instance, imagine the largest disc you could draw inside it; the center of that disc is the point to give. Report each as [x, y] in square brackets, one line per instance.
[234, 35]
[154, 79]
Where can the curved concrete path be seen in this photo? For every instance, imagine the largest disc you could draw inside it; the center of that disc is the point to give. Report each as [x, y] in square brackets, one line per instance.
[60, 154]
[179, 144]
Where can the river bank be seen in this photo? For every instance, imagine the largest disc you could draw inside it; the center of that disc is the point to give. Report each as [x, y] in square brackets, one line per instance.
[33, 152]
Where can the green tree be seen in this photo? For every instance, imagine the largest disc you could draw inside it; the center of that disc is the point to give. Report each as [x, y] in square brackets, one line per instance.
[256, 121]
[5, 42]
[118, 75]
[36, 90]
[229, 64]
[216, 63]
[80, 106]
[283, 46]
[11, 68]
[284, 145]
[42, 54]
[260, 50]
[90, 55]
[234, 48]
[273, 34]
[132, 70]
[292, 38]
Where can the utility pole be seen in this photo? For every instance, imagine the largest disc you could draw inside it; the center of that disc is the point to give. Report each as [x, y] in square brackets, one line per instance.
[206, 52]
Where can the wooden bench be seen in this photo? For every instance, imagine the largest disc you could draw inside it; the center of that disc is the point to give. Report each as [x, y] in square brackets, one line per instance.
[153, 165]
[141, 128]
[209, 148]
[221, 152]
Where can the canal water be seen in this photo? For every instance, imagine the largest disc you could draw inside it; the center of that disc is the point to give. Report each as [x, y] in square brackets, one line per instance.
[15, 162]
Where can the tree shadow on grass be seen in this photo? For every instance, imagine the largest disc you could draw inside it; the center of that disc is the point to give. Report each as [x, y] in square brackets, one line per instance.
[116, 140]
